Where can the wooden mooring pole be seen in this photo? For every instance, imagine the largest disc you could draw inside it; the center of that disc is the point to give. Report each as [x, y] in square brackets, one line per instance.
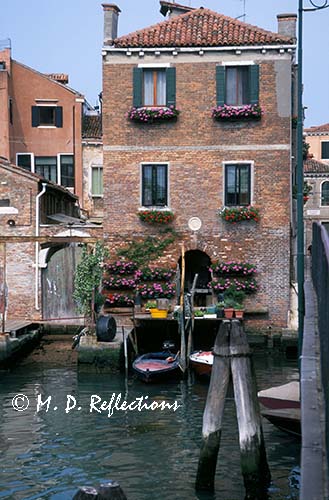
[254, 466]
[232, 356]
[213, 414]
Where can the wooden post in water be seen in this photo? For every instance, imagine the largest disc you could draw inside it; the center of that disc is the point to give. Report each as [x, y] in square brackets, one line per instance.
[254, 466]
[213, 414]
[182, 360]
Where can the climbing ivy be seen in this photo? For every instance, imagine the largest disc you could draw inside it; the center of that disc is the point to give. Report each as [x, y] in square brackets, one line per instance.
[88, 278]
[148, 249]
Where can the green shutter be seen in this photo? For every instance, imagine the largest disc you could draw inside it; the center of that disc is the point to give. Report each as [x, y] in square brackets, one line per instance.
[254, 83]
[138, 87]
[171, 86]
[220, 85]
[59, 116]
[35, 116]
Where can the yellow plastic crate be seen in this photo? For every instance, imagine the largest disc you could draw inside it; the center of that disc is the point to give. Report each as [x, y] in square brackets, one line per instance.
[159, 313]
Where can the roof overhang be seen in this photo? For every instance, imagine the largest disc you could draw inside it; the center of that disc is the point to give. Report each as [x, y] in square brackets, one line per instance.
[175, 50]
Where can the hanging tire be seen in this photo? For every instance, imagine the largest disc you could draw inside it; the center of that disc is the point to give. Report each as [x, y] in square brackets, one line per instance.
[106, 328]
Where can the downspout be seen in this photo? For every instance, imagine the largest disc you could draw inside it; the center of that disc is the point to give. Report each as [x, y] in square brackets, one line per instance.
[37, 245]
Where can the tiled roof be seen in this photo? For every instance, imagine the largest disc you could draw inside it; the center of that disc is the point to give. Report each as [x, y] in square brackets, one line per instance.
[315, 167]
[318, 129]
[92, 127]
[200, 28]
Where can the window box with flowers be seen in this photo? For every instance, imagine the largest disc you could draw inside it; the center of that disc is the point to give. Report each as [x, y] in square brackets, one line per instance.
[119, 300]
[238, 214]
[161, 217]
[152, 114]
[226, 112]
[233, 268]
[157, 290]
[220, 285]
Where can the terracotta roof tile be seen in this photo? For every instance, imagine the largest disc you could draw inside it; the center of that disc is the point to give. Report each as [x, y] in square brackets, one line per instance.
[318, 129]
[200, 28]
[92, 127]
[315, 166]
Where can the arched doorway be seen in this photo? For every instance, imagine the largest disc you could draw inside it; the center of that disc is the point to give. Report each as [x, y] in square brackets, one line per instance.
[58, 281]
[197, 262]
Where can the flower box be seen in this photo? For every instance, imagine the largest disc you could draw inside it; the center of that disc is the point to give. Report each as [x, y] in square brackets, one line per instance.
[159, 313]
[161, 217]
[232, 113]
[238, 214]
[152, 114]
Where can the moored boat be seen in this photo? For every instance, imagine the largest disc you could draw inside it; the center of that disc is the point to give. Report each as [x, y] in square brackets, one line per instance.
[281, 406]
[157, 366]
[201, 362]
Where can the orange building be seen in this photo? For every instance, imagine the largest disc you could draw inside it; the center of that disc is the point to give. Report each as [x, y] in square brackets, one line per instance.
[40, 123]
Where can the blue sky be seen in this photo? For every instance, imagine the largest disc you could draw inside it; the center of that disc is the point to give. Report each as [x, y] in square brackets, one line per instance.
[65, 36]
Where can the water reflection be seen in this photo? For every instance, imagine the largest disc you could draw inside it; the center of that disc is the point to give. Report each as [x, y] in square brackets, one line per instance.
[153, 454]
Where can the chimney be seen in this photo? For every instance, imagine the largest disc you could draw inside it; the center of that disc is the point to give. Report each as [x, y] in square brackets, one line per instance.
[287, 25]
[173, 9]
[111, 16]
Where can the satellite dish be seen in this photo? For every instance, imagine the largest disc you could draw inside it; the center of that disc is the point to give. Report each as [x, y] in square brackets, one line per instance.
[194, 223]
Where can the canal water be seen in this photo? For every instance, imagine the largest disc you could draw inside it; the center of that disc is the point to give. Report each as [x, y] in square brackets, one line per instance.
[47, 452]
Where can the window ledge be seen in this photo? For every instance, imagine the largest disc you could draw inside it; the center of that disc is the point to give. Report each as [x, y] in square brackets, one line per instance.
[158, 209]
[46, 126]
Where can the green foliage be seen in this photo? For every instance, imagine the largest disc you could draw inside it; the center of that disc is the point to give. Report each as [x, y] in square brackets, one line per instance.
[88, 278]
[234, 297]
[148, 249]
[306, 147]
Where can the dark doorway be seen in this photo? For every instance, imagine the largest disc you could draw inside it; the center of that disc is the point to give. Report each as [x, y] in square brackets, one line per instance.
[197, 262]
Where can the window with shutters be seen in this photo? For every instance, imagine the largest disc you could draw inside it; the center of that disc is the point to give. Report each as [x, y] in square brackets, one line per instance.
[237, 85]
[237, 184]
[96, 181]
[325, 193]
[154, 87]
[324, 150]
[47, 116]
[155, 185]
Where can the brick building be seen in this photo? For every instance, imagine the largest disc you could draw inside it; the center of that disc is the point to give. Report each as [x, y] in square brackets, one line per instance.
[194, 164]
[40, 123]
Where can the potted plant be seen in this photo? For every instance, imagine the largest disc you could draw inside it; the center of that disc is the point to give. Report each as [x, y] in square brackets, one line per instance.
[198, 313]
[150, 304]
[239, 311]
[229, 307]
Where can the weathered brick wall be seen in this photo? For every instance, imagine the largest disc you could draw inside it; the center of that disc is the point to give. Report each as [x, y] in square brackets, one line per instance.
[92, 154]
[195, 148]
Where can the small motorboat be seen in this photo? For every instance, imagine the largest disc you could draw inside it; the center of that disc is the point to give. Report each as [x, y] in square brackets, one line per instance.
[201, 362]
[158, 366]
[281, 407]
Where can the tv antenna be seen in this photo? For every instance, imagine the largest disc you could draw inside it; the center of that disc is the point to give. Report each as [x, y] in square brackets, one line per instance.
[243, 16]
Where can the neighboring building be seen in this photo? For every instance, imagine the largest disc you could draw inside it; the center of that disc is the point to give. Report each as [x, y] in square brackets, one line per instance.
[38, 275]
[92, 160]
[316, 209]
[40, 123]
[318, 139]
[193, 164]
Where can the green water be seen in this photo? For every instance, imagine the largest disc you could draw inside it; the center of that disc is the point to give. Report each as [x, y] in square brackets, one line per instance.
[152, 454]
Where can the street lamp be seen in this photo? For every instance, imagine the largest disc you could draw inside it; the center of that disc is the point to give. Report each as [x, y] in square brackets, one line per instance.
[300, 169]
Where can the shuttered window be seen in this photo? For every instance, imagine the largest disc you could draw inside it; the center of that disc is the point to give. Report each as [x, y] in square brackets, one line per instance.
[154, 87]
[47, 116]
[237, 185]
[325, 194]
[325, 150]
[97, 180]
[237, 85]
[154, 185]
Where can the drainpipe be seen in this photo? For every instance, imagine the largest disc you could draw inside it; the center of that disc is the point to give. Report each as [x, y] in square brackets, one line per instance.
[37, 245]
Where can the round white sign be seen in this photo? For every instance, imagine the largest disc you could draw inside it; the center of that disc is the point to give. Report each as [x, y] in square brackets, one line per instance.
[194, 223]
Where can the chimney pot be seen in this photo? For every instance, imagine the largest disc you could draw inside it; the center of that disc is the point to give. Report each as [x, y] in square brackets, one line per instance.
[111, 16]
[287, 25]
